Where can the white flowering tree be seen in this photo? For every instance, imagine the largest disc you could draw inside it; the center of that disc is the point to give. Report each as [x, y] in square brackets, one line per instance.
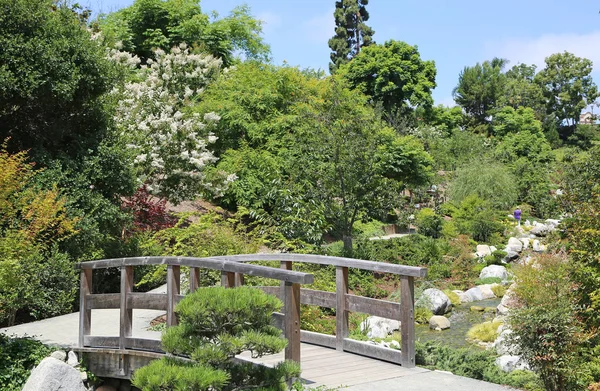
[169, 142]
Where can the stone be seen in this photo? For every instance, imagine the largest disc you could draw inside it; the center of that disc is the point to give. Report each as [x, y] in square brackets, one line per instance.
[126, 386]
[476, 308]
[464, 298]
[84, 376]
[73, 360]
[435, 300]
[59, 355]
[540, 229]
[514, 245]
[475, 294]
[510, 256]
[538, 247]
[438, 321]
[508, 301]
[378, 327]
[486, 291]
[510, 363]
[483, 250]
[53, 375]
[106, 387]
[552, 223]
[501, 344]
[525, 242]
[492, 249]
[497, 271]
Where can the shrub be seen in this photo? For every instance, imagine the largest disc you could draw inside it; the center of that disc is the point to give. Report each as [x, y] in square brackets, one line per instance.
[217, 324]
[495, 258]
[422, 315]
[453, 296]
[429, 223]
[499, 290]
[488, 280]
[18, 356]
[484, 332]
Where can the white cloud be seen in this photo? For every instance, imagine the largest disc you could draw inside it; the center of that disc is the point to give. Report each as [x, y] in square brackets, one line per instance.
[320, 28]
[270, 21]
[535, 50]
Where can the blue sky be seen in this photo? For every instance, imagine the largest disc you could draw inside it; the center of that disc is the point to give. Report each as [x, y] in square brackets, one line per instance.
[453, 33]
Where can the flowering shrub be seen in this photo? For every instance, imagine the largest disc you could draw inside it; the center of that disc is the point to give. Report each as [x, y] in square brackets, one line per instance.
[169, 143]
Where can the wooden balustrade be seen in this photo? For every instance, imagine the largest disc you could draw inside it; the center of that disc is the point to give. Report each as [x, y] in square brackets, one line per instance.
[233, 268]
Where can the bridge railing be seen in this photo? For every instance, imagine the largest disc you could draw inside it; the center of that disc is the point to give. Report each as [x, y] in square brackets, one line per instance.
[127, 300]
[233, 269]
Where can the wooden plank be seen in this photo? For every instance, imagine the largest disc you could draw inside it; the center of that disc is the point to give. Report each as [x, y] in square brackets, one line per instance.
[341, 312]
[147, 301]
[239, 279]
[103, 300]
[152, 345]
[407, 321]
[213, 263]
[372, 351]
[318, 339]
[318, 298]
[85, 313]
[126, 321]
[101, 341]
[366, 305]
[292, 321]
[194, 278]
[380, 267]
[173, 289]
[271, 290]
[227, 279]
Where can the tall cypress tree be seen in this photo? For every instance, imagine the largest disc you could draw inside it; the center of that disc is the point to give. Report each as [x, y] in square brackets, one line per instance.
[351, 32]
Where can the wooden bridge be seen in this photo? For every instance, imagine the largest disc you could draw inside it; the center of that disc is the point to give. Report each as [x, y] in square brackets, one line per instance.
[120, 355]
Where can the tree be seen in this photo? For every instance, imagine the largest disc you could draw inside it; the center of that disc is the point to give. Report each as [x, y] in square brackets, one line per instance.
[150, 24]
[510, 121]
[392, 74]
[215, 325]
[567, 86]
[479, 89]
[351, 32]
[522, 90]
[53, 78]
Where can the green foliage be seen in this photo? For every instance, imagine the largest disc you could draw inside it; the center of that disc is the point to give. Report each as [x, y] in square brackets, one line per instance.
[498, 290]
[521, 90]
[490, 181]
[484, 332]
[429, 223]
[453, 296]
[150, 24]
[567, 86]
[488, 280]
[53, 80]
[351, 32]
[477, 218]
[474, 363]
[549, 335]
[216, 324]
[495, 258]
[18, 356]
[508, 121]
[392, 74]
[422, 315]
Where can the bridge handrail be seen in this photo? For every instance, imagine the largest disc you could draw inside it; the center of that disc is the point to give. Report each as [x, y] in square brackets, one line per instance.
[233, 268]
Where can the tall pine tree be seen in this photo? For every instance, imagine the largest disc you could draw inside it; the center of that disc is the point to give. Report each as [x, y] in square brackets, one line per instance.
[351, 32]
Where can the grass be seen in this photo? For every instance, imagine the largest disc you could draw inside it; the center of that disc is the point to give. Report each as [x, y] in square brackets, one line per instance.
[484, 332]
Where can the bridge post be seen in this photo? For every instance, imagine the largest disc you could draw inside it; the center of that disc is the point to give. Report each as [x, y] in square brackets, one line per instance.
[228, 279]
[341, 309]
[85, 314]
[407, 320]
[126, 313]
[173, 289]
[194, 278]
[292, 320]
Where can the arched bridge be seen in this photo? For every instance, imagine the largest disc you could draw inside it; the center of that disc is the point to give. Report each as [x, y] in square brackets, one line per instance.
[119, 355]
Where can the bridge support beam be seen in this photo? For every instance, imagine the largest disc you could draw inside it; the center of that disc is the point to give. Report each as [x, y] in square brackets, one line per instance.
[173, 289]
[407, 320]
[341, 310]
[292, 321]
[85, 314]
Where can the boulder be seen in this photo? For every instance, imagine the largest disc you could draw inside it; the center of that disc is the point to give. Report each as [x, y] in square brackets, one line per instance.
[435, 300]
[508, 301]
[540, 229]
[53, 375]
[72, 359]
[492, 248]
[106, 387]
[514, 245]
[439, 322]
[525, 242]
[486, 291]
[538, 247]
[510, 363]
[510, 256]
[378, 327]
[483, 250]
[501, 344]
[552, 223]
[475, 294]
[59, 355]
[464, 298]
[476, 308]
[494, 271]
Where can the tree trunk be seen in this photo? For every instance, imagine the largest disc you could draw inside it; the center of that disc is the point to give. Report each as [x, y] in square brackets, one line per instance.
[347, 239]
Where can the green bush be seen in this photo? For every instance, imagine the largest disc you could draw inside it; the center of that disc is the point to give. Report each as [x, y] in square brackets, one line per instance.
[484, 332]
[453, 296]
[488, 280]
[429, 223]
[495, 258]
[18, 356]
[422, 315]
[499, 290]
[216, 324]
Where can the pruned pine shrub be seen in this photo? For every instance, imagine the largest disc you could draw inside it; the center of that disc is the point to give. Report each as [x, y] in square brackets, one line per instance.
[215, 325]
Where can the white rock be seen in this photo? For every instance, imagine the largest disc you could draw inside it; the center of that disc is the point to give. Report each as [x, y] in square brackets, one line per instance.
[514, 245]
[483, 250]
[494, 271]
[552, 223]
[510, 363]
[378, 327]
[435, 300]
[486, 291]
[73, 360]
[525, 242]
[493, 248]
[510, 256]
[438, 321]
[501, 344]
[527, 223]
[474, 294]
[538, 247]
[540, 229]
[54, 375]
[59, 355]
